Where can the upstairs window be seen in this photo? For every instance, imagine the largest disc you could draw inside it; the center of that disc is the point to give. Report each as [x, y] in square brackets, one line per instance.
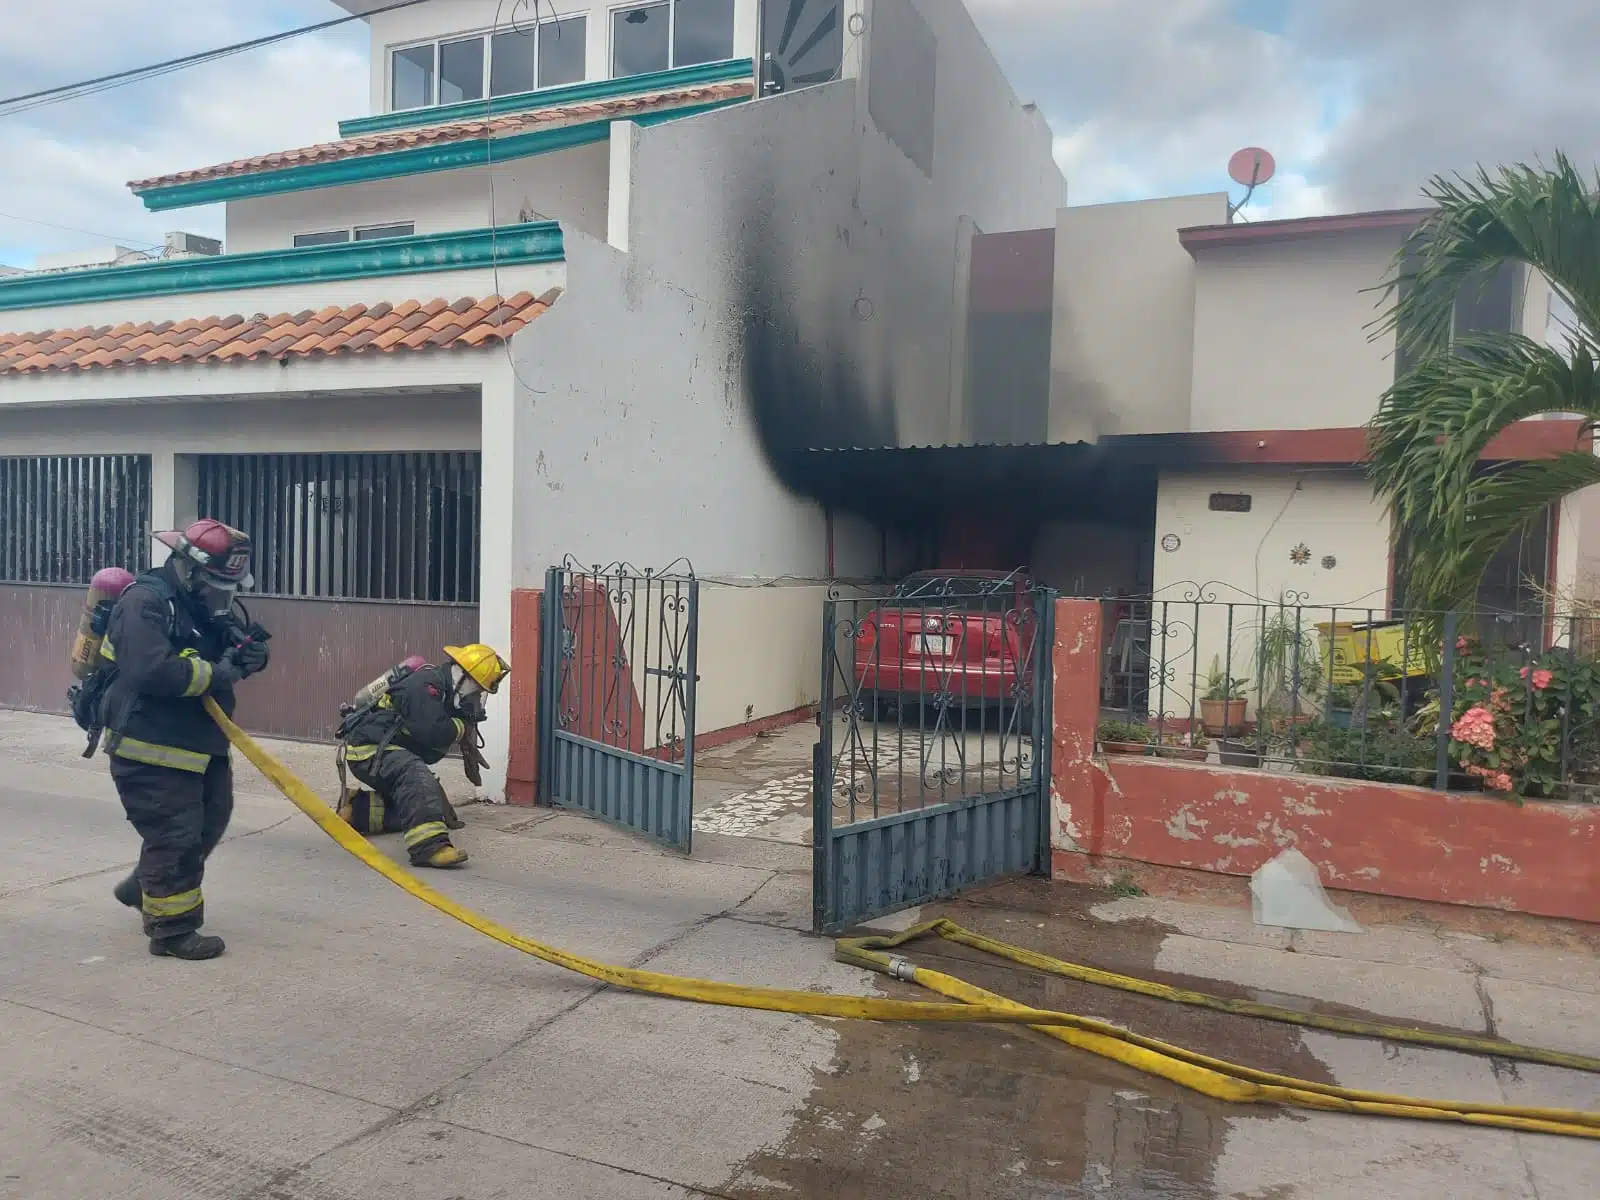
[461, 67]
[670, 33]
[361, 233]
[531, 55]
[546, 54]
[411, 77]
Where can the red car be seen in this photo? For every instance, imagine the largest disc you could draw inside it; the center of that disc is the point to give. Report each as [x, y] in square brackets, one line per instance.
[967, 635]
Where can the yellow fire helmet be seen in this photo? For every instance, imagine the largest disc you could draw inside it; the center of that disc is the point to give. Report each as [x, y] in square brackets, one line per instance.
[480, 662]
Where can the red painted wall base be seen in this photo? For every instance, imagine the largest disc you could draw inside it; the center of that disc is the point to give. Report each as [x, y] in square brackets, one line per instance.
[1410, 842]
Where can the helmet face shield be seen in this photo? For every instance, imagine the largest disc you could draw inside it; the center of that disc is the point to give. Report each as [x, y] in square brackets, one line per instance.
[216, 595]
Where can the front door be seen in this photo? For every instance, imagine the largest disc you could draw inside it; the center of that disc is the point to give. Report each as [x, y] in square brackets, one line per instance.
[802, 44]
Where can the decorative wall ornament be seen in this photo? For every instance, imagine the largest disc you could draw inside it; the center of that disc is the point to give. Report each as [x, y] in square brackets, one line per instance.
[1300, 555]
[1170, 542]
[1329, 562]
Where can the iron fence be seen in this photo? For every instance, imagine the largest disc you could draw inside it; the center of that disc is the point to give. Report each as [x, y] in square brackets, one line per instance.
[63, 517]
[930, 693]
[1507, 702]
[402, 526]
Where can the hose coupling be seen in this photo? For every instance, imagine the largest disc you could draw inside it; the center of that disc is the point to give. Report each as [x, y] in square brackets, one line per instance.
[901, 968]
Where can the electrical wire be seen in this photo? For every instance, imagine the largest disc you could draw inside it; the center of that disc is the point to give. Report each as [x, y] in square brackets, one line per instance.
[130, 242]
[488, 162]
[28, 101]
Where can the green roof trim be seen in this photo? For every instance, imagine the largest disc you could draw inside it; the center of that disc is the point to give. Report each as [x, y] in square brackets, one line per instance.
[459, 250]
[415, 160]
[572, 93]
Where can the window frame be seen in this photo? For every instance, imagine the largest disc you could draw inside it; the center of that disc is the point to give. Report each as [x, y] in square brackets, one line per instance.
[352, 234]
[672, 35]
[487, 37]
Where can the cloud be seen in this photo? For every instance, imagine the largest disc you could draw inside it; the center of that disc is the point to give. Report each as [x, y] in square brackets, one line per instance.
[1150, 97]
[70, 162]
[1361, 101]
[1441, 92]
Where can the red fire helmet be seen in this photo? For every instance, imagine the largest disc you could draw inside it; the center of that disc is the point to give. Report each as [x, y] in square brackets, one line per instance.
[217, 549]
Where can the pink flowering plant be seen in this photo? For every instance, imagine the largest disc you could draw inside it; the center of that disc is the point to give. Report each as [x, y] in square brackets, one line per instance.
[1512, 713]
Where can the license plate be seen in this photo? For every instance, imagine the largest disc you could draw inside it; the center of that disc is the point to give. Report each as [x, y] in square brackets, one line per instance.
[932, 643]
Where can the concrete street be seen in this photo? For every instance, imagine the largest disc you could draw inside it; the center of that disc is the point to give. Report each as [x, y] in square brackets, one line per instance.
[353, 1043]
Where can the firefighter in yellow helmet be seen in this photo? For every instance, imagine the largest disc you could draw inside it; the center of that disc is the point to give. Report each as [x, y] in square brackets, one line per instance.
[398, 727]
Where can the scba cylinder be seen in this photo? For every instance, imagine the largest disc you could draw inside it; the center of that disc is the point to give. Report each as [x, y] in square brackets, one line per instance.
[104, 590]
[380, 686]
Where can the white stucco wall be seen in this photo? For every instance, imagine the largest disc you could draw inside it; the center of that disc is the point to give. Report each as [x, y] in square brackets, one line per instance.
[799, 206]
[569, 186]
[780, 628]
[1331, 512]
[993, 163]
[1244, 559]
[1281, 337]
[631, 439]
[1123, 339]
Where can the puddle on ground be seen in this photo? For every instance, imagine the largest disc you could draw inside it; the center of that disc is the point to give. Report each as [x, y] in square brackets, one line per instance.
[911, 1112]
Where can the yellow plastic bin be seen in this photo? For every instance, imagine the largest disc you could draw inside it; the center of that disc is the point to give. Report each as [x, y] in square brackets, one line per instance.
[1384, 644]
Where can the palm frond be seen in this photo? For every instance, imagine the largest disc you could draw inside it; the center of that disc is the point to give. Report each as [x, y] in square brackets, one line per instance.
[1547, 218]
[1448, 560]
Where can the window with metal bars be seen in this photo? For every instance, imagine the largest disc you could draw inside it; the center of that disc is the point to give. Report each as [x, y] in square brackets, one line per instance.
[358, 526]
[63, 517]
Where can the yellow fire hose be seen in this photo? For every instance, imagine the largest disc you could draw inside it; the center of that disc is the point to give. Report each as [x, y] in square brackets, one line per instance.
[1208, 1076]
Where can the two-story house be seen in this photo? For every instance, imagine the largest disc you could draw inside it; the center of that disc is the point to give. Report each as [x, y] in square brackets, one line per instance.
[588, 278]
[1186, 399]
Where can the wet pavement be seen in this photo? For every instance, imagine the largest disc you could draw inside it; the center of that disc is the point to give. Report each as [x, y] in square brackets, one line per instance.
[1034, 1118]
[930, 1111]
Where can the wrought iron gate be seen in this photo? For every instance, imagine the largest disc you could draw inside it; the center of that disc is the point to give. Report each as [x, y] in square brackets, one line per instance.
[616, 697]
[931, 772]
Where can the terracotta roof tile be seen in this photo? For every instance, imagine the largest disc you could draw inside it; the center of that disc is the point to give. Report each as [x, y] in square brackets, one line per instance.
[405, 139]
[411, 325]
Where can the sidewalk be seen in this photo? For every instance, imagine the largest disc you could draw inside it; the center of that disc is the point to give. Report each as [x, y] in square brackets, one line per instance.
[353, 1043]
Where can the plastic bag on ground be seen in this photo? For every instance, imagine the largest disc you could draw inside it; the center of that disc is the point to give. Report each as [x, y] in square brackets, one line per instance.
[1287, 892]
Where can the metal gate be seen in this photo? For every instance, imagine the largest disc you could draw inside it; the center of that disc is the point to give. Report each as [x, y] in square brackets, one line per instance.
[360, 560]
[62, 518]
[616, 697]
[931, 772]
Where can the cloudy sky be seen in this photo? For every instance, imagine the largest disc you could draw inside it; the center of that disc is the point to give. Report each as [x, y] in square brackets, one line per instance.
[1360, 100]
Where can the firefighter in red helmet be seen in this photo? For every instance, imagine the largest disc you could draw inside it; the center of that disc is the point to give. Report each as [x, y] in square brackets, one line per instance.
[173, 641]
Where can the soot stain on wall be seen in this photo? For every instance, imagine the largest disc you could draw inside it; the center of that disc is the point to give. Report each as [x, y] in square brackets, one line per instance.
[805, 372]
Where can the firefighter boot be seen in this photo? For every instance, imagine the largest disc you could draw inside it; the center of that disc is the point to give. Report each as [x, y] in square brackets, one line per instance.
[443, 855]
[127, 892]
[192, 946]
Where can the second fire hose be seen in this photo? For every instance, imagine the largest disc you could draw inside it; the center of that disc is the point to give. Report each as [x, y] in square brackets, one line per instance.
[1197, 1072]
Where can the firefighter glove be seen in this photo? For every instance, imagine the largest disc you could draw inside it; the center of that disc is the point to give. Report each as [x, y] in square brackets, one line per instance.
[226, 672]
[251, 657]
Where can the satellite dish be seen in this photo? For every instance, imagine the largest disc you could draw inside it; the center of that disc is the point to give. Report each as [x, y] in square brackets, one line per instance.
[1249, 168]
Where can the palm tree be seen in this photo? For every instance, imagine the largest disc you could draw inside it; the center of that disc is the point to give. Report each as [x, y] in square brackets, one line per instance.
[1434, 423]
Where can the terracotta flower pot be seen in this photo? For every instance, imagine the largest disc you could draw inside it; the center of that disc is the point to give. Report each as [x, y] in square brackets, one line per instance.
[1129, 749]
[1184, 753]
[1222, 717]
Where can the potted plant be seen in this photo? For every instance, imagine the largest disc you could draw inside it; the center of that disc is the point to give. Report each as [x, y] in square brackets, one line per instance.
[1290, 662]
[1182, 747]
[1124, 737]
[1223, 704]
